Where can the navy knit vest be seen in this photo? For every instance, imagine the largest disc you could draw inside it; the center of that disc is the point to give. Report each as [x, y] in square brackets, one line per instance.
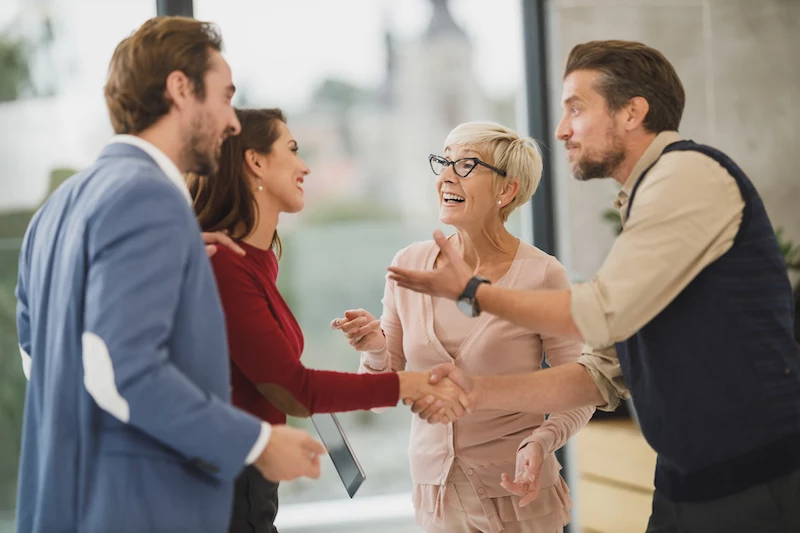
[715, 377]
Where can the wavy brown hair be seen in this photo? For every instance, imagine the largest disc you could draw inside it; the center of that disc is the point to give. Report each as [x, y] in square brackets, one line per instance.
[135, 91]
[225, 202]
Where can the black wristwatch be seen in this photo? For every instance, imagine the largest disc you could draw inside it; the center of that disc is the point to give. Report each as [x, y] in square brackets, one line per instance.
[466, 302]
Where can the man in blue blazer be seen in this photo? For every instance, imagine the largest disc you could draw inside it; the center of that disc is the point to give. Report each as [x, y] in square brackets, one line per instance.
[128, 425]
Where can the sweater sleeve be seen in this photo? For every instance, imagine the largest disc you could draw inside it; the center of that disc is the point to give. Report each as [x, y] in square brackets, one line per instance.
[264, 354]
[559, 427]
[390, 358]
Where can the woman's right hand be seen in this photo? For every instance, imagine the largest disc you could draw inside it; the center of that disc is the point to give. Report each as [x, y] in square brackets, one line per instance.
[362, 330]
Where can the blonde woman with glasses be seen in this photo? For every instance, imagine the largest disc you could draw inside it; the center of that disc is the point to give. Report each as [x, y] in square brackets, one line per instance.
[491, 471]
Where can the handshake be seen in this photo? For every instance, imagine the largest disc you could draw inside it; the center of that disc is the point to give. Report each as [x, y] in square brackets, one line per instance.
[439, 395]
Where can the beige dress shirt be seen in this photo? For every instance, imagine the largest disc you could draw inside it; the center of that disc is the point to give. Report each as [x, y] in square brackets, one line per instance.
[686, 215]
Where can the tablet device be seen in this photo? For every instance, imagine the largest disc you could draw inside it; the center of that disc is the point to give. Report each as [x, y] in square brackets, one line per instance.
[340, 451]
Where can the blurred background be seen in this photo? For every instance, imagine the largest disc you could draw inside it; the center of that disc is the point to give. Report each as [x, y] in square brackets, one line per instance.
[370, 88]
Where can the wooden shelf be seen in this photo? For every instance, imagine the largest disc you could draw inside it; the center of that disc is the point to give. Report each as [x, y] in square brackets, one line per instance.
[615, 469]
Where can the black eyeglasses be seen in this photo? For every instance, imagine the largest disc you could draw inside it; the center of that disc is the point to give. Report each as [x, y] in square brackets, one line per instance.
[462, 167]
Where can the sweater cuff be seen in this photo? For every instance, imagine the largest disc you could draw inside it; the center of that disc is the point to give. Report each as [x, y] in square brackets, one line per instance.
[376, 362]
[544, 438]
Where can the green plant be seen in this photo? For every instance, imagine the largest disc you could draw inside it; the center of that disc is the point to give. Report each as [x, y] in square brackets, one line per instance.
[612, 217]
[16, 76]
[338, 211]
[789, 250]
[58, 176]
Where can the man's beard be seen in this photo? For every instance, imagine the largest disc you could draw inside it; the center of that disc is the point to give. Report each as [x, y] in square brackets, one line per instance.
[586, 168]
[201, 152]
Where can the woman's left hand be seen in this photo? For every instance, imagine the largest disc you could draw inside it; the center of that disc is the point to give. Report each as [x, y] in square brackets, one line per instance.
[361, 329]
[527, 479]
[218, 237]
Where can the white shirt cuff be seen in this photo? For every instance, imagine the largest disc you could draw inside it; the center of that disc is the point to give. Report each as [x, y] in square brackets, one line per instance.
[26, 363]
[261, 443]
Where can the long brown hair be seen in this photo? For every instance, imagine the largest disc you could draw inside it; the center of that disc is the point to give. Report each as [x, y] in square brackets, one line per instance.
[225, 202]
[138, 71]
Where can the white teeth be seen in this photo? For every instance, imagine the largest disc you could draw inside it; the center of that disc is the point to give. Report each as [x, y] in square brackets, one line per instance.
[449, 196]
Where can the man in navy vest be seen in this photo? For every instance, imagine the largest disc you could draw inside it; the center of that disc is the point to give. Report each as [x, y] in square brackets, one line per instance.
[691, 313]
[128, 425]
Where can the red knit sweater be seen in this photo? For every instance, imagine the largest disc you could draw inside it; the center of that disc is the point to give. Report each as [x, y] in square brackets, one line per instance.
[266, 342]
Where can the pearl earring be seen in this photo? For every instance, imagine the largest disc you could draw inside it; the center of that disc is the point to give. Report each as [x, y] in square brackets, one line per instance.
[499, 202]
[260, 185]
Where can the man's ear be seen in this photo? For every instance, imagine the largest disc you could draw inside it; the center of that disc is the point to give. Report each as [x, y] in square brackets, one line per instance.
[635, 112]
[178, 88]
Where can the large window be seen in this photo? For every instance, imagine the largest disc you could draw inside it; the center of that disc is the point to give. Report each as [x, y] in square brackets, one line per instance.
[369, 88]
[53, 61]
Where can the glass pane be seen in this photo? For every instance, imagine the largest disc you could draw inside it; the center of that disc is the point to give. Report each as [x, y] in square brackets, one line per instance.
[53, 121]
[370, 89]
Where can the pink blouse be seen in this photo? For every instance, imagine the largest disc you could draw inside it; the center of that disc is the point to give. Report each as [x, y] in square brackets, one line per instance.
[422, 332]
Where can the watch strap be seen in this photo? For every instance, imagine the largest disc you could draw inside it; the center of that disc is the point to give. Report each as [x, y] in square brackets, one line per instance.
[472, 287]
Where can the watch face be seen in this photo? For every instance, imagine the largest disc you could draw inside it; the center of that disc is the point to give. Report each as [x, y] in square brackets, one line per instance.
[466, 307]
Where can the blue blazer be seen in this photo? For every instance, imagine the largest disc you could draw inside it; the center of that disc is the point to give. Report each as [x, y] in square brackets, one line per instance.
[128, 426]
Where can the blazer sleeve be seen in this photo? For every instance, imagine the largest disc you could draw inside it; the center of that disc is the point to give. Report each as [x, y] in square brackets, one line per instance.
[138, 247]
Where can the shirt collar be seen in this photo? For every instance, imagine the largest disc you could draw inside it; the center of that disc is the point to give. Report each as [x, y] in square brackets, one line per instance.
[162, 160]
[650, 156]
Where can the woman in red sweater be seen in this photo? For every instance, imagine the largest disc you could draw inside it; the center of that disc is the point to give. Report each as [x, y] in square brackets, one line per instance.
[261, 176]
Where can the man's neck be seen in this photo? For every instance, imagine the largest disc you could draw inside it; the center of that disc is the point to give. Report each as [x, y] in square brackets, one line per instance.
[166, 138]
[636, 148]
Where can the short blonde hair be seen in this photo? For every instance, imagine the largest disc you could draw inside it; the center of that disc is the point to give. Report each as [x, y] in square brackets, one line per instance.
[503, 148]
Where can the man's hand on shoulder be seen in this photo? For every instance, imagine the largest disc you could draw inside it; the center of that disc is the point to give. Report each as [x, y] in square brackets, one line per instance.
[213, 239]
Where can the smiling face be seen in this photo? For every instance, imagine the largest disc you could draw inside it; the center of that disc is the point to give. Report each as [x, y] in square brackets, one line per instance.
[284, 173]
[592, 134]
[466, 202]
[260, 174]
